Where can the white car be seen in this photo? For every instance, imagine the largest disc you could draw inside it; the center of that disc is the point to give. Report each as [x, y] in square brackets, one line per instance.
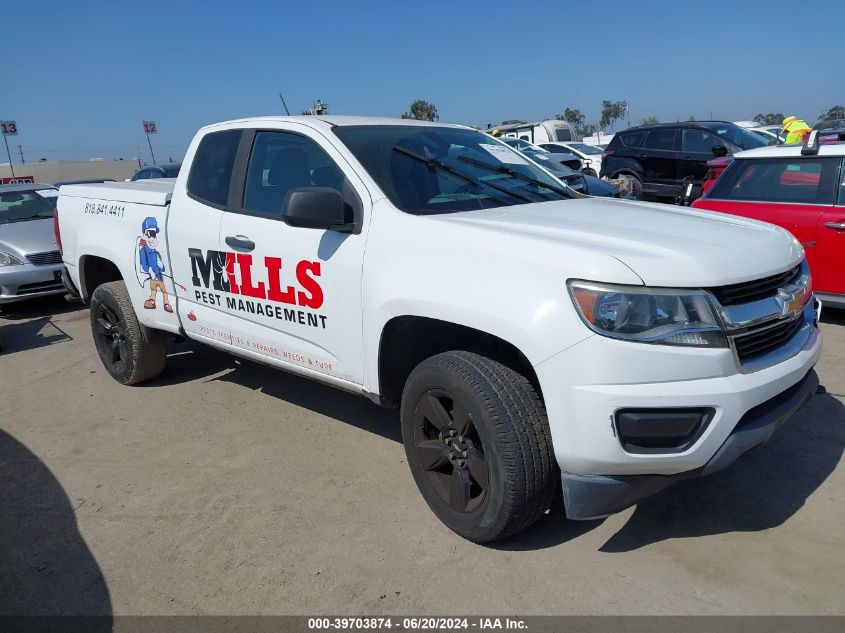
[528, 335]
[590, 155]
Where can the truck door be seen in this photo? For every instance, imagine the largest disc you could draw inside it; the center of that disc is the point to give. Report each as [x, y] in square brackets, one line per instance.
[296, 292]
[193, 233]
[829, 274]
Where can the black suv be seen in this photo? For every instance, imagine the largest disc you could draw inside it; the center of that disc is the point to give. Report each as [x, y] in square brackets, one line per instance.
[665, 158]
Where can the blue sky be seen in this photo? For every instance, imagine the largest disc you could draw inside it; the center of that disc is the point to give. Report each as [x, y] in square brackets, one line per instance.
[79, 77]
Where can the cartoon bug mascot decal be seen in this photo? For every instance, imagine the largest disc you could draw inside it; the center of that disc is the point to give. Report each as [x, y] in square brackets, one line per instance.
[152, 264]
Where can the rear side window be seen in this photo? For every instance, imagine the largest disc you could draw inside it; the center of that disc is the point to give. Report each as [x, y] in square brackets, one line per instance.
[788, 180]
[211, 169]
[634, 139]
[661, 140]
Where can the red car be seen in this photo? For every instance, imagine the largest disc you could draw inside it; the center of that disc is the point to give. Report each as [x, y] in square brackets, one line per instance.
[803, 193]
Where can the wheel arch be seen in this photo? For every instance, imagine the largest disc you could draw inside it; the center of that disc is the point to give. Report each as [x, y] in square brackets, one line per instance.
[95, 271]
[408, 340]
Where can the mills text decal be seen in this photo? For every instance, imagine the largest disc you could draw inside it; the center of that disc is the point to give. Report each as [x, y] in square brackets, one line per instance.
[271, 288]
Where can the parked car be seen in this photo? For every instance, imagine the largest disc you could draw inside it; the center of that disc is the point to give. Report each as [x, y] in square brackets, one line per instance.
[168, 170]
[590, 155]
[777, 130]
[831, 131]
[770, 137]
[30, 262]
[803, 193]
[536, 343]
[569, 159]
[557, 164]
[666, 158]
[715, 167]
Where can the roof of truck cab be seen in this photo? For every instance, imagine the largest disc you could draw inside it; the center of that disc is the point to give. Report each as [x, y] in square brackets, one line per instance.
[330, 120]
[792, 150]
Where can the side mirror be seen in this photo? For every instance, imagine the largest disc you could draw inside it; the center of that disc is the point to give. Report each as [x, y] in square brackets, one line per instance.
[720, 150]
[314, 208]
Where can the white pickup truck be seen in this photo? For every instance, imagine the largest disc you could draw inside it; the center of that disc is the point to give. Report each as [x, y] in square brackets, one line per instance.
[529, 336]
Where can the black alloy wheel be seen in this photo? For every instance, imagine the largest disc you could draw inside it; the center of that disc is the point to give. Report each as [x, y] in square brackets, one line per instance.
[450, 451]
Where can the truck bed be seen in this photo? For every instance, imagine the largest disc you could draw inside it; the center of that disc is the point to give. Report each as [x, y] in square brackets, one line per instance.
[153, 192]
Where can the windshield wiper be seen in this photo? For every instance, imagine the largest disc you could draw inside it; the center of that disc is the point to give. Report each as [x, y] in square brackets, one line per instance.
[439, 164]
[504, 169]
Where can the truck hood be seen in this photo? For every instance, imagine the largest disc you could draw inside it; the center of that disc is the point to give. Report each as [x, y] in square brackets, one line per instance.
[664, 245]
[27, 237]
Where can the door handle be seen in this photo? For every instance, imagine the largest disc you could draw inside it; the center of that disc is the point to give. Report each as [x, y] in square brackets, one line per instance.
[240, 243]
[836, 226]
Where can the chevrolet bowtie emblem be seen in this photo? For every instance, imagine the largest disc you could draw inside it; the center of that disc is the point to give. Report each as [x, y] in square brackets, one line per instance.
[791, 302]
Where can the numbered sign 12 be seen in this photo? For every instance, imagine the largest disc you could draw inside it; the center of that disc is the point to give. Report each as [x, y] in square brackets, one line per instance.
[9, 128]
[149, 127]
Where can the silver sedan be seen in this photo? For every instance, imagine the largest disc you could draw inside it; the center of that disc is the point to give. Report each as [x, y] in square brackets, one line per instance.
[30, 262]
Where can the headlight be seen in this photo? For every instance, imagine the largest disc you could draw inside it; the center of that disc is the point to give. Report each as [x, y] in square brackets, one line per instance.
[8, 260]
[648, 315]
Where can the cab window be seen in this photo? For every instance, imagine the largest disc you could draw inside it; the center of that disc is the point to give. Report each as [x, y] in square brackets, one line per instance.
[211, 169]
[787, 180]
[281, 162]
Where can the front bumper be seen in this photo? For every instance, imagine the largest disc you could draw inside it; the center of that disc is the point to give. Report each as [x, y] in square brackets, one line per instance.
[27, 281]
[595, 496]
[585, 387]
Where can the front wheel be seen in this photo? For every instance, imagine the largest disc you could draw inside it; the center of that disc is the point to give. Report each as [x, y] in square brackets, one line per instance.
[126, 354]
[478, 445]
[590, 172]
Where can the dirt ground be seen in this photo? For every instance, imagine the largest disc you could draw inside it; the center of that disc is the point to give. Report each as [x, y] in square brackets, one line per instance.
[226, 488]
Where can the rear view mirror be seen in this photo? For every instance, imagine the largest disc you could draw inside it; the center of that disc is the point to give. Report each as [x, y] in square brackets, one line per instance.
[315, 208]
[720, 150]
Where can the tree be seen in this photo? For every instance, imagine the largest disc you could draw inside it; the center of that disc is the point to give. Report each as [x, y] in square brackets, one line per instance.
[691, 117]
[836, 112]
[612, 111]
[772, 118]
[650, 120]
[587, 130]
[421, 110]
[574, 117]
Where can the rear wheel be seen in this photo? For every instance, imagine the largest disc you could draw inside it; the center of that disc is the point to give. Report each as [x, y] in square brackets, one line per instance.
[478, 445]
[127, 356]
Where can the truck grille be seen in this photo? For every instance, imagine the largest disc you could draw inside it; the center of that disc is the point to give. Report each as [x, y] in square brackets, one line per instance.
[764, 339]
[748, 291]
[45, 259]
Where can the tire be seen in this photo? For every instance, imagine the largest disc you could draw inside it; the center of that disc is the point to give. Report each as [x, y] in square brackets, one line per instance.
[128, 357]
[478, 445]
[590, 172]
[636, 184]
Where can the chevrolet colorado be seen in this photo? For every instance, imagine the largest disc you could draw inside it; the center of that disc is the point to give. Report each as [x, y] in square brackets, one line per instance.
[537, 342]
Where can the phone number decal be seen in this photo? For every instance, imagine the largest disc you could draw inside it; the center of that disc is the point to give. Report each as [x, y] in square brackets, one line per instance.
[104, 208]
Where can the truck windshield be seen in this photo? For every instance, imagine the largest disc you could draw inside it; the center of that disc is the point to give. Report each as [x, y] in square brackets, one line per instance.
[431, 170]
[19, 206]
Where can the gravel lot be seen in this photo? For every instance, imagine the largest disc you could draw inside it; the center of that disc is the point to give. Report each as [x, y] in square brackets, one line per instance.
[226, 488]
